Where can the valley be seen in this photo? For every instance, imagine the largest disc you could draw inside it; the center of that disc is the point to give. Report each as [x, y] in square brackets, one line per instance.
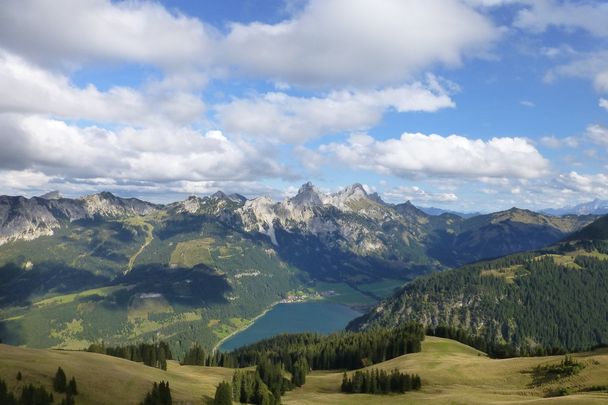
[75, 272]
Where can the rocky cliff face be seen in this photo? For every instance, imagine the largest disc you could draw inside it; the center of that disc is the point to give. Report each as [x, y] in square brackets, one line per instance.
[27, 219]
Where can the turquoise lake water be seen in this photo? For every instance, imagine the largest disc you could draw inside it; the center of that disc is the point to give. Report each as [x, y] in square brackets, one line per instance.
[320, 317]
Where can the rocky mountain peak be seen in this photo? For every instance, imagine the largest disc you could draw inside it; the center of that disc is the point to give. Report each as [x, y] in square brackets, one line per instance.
[220, 195]
[308, 196]
[352, 192]
[108, 205]
[52, 195]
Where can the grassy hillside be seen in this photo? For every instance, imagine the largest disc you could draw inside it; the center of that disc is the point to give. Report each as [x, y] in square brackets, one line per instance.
[451, 373]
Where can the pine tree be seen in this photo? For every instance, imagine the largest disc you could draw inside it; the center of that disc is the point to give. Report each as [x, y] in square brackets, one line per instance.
[19, 376]
[164, 393]
[60, 381]
[71, 388]
[162, 361]
[223, 394]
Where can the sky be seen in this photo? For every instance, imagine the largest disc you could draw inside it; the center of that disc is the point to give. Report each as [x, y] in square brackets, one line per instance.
[471, 105]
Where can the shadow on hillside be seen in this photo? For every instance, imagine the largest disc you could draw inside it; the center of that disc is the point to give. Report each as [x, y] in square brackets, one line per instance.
[19, 285]
[197, 286]
[311, 255]
[10, 334]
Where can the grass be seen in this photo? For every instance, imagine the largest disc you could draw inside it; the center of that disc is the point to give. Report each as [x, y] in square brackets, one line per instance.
[383, 288]
[68, 298]
[343, 294]
[508, 273]
[193, 252]
[107, 380]
[451, 372]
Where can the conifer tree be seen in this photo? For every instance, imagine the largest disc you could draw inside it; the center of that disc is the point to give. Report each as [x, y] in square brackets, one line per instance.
[223, 394]
[60, 381]
[72, 388]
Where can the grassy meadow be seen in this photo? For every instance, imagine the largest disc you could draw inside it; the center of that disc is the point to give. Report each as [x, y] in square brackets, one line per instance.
[452, 373]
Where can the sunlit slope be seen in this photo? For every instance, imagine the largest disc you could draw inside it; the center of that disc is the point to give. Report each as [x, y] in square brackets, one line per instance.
[452, 373]
[108, 380]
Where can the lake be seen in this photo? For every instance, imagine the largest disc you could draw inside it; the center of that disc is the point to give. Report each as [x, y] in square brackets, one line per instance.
[320, 317]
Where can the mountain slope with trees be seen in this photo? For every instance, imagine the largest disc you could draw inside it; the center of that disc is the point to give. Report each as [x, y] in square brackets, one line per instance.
[553, 298]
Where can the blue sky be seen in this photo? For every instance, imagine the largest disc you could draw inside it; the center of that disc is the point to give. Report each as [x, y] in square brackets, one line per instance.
[475, 105]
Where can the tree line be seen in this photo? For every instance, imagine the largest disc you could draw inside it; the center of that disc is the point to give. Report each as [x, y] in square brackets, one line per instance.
[341, 350]
[380, 382]
[153, 355]
[298, 354]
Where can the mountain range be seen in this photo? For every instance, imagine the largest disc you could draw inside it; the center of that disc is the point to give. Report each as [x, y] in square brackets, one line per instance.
[102, 267]
[595, 207]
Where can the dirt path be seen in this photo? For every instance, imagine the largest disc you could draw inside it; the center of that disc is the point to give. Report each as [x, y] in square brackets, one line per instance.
[148, 240]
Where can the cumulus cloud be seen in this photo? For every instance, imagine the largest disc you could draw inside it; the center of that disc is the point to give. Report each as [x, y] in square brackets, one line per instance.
[74, 32]
[541, 14]
[25, 88]
[416, 153]
[54, 148]
[603, 103]
[359, 42]
[595, 185]
[417, 194]
[597, 134]
[296, 119]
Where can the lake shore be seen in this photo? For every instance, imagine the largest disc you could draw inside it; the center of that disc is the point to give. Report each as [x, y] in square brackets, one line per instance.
[241, 329]
[300, 317]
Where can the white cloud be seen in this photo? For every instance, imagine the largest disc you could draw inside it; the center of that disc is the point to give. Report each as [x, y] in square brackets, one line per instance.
[541, 14]
[56, 149]
[592, 66]
[416, 194]
[415, 153]
[25, 88]
[594, 185]
[597, 134]
[527, 103]
[296, 119]
[603, 103]
[556, 52]
[17, 181]
[359, 42]
[73, 32]
[490, 3]
[554, 142]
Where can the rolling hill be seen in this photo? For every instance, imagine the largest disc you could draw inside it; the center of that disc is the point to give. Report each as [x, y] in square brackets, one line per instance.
[451, 373]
